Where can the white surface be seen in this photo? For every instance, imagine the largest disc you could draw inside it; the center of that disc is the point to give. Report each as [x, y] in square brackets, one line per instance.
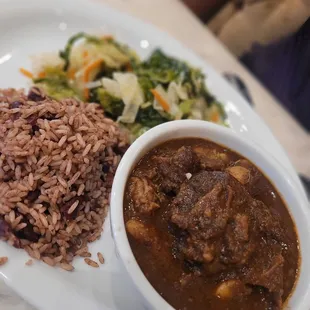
[295, 201]
[34, 26]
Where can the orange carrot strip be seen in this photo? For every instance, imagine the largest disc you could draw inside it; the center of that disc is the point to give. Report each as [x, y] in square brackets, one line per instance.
[42, 75]
[95, 64]
[215, 117]
[71, 73]
[26, 73]
[85, 56]
[160, 100]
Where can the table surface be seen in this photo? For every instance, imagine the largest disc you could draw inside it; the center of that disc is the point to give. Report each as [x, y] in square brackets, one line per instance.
[179, 22]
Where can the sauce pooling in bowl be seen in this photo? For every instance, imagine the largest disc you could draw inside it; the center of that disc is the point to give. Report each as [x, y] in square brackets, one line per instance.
[209, 230]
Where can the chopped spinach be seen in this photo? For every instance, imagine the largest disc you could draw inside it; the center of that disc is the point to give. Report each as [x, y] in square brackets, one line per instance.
[150, 117]
[146, 85]
[113, 107]
[162, 68]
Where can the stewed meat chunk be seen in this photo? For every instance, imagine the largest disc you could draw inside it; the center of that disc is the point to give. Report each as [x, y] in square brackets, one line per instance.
[267, 270]
[267, 222]
[218, 231]
[208, 217]
[143, 194]
[173, 169]
[239, 241]
[147, 236]
[141, 232]
[240, 173]
[210, 158]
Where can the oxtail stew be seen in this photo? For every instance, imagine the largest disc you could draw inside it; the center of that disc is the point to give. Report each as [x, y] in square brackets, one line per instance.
[209, 230]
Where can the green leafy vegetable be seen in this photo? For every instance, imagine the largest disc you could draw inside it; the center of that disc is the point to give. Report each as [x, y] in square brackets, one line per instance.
[56, 84]
[150, 117]
[183, 93]
[136, 130]
[112, 106]
[161, 68]
[164, 77]
[186, 106]
[146, 85]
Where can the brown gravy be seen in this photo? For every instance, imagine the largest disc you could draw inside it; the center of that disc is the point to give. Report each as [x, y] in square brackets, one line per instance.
[196, 220]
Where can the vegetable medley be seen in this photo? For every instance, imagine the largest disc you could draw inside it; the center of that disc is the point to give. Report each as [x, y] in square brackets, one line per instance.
[138, 94]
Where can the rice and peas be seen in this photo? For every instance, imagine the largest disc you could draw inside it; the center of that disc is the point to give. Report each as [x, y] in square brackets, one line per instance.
[57, 164]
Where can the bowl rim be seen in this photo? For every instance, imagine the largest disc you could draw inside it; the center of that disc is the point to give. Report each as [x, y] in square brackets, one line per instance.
[177, 130]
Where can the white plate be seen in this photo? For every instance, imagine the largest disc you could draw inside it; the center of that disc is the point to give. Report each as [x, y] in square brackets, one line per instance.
[34, 26]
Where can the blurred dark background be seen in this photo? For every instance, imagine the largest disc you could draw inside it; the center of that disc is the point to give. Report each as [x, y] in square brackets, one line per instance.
[272, 39]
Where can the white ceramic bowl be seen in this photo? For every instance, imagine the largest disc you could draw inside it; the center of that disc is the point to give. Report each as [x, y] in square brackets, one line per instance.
[297, 204]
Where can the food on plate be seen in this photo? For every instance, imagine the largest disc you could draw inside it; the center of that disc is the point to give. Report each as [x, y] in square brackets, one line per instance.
[91, 262]
[138, 94]
[209, 230]
[3, 260]
[100, 258]
[57, 164]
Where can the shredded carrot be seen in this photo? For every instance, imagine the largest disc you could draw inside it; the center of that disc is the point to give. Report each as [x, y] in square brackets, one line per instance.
[71, 73]
[26, 73]
[93, 65]
[160, 100]
[215, 117]
[42, 75]
[85, 56]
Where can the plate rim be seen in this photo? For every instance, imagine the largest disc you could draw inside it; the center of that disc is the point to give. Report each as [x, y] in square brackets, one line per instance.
[148, 27]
